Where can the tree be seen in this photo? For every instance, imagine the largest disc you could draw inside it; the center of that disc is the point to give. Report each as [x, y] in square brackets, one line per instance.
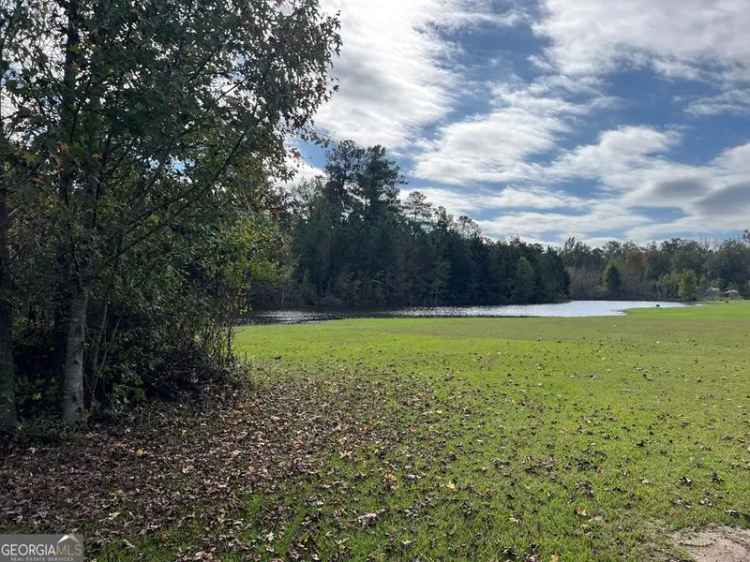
[524, 282]
[440, 277]
[467, 227]
[377, 184]
[354, 244]
[418, 209]
[349, 237]
[733, 263]
[687, 254]
[7, 370]
[612, 280]
[688, 288]
[15, 27]
[147, 111]
[342, 169]
[554, 280]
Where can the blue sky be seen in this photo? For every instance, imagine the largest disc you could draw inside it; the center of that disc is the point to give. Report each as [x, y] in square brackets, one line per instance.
[546, 119]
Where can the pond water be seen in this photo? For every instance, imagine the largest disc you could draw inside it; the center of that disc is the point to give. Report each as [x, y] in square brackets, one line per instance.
[571, 309]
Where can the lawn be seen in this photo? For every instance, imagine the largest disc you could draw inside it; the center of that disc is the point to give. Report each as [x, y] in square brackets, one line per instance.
[516, 439]
[519, 439]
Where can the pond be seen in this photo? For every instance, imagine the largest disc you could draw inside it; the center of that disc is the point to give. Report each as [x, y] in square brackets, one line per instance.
[570, 309]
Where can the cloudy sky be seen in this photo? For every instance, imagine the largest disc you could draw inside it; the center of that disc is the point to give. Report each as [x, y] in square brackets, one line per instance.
[602, 119]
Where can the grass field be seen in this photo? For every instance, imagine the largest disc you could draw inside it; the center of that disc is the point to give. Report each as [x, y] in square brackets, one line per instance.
[516, 439]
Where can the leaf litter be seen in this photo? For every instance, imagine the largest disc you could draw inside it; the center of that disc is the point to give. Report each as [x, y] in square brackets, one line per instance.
[182, 466]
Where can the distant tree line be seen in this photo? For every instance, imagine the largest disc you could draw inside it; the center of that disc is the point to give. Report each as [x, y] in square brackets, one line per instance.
[673, 269]
[352, 242]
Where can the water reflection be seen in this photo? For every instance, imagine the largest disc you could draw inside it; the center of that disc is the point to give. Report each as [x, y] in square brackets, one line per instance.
[571, 309]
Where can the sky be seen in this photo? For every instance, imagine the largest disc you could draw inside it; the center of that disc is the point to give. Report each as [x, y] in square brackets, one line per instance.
[545, 119]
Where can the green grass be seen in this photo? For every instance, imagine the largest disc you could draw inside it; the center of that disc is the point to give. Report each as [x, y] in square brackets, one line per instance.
[519, 439]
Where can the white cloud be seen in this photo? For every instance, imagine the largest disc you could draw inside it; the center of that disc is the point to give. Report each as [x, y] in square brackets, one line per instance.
[732, 101]
[399, 76]
[535, 198]
[616, 157]
[712, 199]
[601, 218]
[303, 171]
[462, 203]
[392, 72]
[676, 37]
[496, 146]
[734, 162]
[691, 226]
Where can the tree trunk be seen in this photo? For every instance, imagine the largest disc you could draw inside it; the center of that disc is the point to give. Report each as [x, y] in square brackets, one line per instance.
[71, 317]
[73, 406]
[7, 369]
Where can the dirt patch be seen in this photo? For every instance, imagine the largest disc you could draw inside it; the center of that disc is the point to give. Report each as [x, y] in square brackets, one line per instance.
[719, 544]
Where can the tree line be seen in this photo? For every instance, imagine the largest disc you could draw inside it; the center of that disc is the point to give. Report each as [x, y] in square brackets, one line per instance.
[673, 269]
[351, 241]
